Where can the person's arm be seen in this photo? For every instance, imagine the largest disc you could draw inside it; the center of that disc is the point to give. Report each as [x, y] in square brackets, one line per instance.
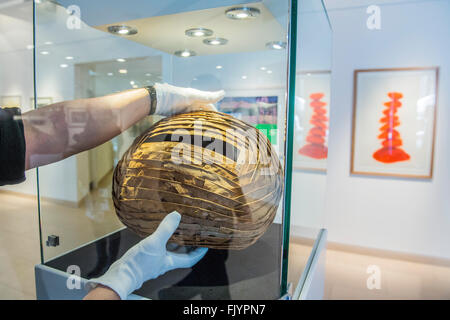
[101, 293]
[57, 131]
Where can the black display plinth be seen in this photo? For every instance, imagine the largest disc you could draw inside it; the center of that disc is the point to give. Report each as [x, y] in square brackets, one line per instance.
[252, 273]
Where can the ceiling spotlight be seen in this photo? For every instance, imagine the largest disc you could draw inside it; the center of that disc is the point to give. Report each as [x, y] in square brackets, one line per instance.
[198, 32]
[185, 53]
[263, 68]
[269, 71]
[30, 46]
[219, 67]
[63, 65]
[241, 13]
[276, 45]
[110, 74]
[122, 30]
[48, 43]
[148, 74]
[123, 71]
[69, 58]
[215, 41]
[244, 77]
[120, 60]
[45, 52]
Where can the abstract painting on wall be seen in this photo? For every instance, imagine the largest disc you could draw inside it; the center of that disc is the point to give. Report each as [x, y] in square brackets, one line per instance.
[394, 115]
[312, 108]
[260, 112]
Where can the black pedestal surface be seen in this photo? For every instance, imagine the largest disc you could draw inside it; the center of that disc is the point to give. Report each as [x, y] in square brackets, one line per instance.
[252, 273]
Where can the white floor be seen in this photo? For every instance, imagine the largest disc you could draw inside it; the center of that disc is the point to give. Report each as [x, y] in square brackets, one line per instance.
[346, 273]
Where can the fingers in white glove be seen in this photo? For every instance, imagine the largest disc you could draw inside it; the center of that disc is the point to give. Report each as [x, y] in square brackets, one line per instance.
[173, 100]
[187, 260]
[205, 97]
[165, 229]
[202, 107]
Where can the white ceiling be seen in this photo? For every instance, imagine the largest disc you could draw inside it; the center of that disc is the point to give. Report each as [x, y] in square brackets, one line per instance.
[167, 33]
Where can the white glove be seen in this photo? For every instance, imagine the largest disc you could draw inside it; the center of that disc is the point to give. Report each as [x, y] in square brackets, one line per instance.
[173, 100]
[147, 260]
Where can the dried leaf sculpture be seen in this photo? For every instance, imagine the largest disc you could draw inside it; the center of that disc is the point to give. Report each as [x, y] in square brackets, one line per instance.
[218, 172]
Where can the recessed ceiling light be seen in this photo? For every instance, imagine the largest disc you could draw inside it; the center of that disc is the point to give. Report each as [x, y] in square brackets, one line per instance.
[44, 52]
[123, 71]
[215, 41]
[110, 74]
[185, 53]
[219, 67]
[63, 65]
[121, 60]
[30, 46]
[269, 71]
[244, 77]
[198, 32]
[263, 68]
[276, 45]
[69, 58]
[48, 43]
[148, 74]
[241, 13]
[132, 82]
[122, 30]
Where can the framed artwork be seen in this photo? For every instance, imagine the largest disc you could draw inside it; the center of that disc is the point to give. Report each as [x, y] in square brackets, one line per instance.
[260, 111]
[41, 101]
[11, 101]
[394, 115]
[312, 109]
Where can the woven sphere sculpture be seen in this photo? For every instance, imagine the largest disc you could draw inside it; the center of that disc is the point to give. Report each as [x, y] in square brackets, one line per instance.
[218, 172]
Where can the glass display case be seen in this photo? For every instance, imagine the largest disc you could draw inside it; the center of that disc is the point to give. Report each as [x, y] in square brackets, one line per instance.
[254, 50]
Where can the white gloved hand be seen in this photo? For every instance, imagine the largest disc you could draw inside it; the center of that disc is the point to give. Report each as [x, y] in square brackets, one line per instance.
[173, 100]
[147, 260]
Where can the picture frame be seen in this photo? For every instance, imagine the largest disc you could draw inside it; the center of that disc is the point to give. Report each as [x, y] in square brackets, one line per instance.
[11, 101]
[394, 122]
[312, 109]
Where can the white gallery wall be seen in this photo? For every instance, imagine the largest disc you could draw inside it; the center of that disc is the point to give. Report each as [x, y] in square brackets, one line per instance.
[403, 215]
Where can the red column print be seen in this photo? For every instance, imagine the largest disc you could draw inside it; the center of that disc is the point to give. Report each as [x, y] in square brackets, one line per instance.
[316, 136]
[391, 151]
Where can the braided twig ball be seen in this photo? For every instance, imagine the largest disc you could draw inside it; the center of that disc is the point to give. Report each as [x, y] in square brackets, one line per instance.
[218, 172]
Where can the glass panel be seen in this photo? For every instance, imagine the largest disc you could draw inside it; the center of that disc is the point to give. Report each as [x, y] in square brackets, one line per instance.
[310, 143]
[84, 58]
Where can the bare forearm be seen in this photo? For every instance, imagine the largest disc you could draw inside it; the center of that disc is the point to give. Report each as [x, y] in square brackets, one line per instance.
[102, 293]
[60, 130]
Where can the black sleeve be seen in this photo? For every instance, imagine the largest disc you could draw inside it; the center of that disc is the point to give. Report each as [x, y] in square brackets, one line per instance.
[12, 147]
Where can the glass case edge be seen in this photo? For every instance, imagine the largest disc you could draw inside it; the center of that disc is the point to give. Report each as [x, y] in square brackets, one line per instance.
[292, 56]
